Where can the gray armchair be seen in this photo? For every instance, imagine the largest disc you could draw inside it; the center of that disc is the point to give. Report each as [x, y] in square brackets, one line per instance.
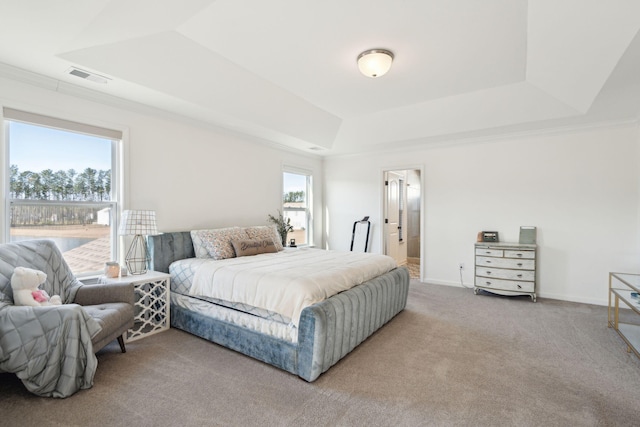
[51, 349]
[112, 307]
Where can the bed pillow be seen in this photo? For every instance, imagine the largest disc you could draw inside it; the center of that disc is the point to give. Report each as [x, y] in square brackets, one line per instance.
[250, 247]
[265, 232]
[198, 244]
[217, 242]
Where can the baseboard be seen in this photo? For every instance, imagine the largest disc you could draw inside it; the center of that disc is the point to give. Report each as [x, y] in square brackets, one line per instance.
[581, 300]
[448, 283]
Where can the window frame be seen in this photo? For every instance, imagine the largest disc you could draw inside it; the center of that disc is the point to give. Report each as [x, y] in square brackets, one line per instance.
[116, 135]
[309, 200]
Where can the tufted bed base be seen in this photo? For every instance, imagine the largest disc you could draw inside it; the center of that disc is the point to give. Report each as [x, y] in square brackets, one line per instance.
[327, 332]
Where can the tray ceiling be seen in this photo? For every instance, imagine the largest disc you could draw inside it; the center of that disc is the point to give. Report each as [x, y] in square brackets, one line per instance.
[285, 71]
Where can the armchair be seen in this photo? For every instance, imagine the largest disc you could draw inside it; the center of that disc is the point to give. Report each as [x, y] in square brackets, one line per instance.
[52, 349]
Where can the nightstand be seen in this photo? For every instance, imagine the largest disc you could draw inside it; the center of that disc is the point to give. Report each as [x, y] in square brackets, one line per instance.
[151, 305]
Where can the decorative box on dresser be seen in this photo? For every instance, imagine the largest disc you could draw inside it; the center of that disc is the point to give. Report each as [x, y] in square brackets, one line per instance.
[506, 268]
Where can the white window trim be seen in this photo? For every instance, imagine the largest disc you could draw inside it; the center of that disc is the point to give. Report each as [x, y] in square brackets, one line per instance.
[309, 173]
[119, 153]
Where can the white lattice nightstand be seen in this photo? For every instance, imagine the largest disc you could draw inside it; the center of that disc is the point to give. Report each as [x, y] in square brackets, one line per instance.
[152, 303]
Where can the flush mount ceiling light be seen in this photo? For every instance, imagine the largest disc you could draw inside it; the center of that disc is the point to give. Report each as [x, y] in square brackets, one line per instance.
[375, 62]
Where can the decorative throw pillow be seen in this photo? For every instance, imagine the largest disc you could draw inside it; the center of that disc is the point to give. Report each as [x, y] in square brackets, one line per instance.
[254, 246]
[218, 241]
[198, 244]
[265, 232]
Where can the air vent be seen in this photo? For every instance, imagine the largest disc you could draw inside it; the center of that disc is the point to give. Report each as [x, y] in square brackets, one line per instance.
[87, 75]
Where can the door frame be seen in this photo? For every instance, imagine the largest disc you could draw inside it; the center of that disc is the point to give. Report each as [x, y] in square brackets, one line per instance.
[382, 232]
[392, 220]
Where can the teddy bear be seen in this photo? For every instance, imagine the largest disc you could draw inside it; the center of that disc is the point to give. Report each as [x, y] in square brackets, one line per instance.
[25, 282]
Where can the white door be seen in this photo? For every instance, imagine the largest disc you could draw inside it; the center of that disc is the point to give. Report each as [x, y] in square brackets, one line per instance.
[392, 216]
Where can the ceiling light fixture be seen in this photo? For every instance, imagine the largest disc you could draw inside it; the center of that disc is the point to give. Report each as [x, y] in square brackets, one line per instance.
[375, 62]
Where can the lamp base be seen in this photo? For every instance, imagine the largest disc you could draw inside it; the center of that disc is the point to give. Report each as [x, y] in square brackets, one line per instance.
[137, 257]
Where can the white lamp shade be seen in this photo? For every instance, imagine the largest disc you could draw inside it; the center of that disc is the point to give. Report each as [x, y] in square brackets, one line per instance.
[138, 223]
[375, 62]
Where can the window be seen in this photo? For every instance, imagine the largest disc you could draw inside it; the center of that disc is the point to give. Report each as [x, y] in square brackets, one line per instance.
[62, 186]
[296, 205]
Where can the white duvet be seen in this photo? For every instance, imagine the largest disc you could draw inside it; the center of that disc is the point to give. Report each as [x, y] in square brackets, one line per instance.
[288, 281]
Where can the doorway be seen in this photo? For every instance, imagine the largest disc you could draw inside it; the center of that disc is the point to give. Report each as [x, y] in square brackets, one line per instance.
[402, 214]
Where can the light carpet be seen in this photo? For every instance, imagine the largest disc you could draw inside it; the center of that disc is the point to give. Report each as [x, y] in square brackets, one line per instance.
[450, 359]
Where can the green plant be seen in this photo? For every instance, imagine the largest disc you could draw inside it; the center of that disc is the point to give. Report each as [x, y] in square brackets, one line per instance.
[283, 225]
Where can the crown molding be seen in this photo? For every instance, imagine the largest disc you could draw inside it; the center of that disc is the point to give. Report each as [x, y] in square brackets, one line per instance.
[412, 145]
[432, 143]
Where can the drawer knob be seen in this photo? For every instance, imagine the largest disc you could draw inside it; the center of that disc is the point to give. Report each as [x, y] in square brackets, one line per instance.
[519, 255]
[487, 252]
[519, 275]
[519, 287]
[487, 283]
[488, 271]
[488, 262]
[519, 264]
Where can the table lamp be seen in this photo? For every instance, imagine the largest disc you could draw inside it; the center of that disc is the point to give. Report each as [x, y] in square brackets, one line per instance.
[138, 224]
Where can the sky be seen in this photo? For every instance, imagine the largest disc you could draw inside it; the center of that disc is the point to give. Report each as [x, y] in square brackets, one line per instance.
[36, 148]
[294, 182]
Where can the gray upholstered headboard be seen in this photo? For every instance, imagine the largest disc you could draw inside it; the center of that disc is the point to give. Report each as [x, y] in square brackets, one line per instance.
[169, 247]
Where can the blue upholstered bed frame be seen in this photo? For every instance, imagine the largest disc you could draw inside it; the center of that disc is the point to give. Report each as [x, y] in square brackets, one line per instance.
[327, 331]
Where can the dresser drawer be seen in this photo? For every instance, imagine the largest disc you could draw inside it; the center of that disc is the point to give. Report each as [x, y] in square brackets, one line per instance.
[519, 264]
[520, 254]
[505, 285]
[490, 252]
[503, 273]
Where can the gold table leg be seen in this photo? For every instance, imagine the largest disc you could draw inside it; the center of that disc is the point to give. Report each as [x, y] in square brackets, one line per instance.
[616, 314]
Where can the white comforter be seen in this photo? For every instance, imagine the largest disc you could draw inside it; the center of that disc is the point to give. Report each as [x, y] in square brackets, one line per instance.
[288, 281]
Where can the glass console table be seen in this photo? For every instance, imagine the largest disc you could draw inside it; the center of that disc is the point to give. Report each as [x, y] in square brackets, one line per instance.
[622, 286]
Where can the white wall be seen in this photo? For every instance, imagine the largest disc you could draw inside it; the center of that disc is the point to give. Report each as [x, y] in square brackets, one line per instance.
[193, 175]
[580, 188]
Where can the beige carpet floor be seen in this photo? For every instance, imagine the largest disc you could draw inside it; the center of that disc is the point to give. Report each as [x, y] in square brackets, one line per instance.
[450, 359]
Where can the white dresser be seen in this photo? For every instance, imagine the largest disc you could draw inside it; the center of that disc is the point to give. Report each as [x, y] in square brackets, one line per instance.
[506, 268]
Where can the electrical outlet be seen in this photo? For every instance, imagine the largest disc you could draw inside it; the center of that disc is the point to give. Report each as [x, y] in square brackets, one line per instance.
[461, 265]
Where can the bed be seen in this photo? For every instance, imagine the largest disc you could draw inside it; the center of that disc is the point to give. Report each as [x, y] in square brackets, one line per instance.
[305, 342]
